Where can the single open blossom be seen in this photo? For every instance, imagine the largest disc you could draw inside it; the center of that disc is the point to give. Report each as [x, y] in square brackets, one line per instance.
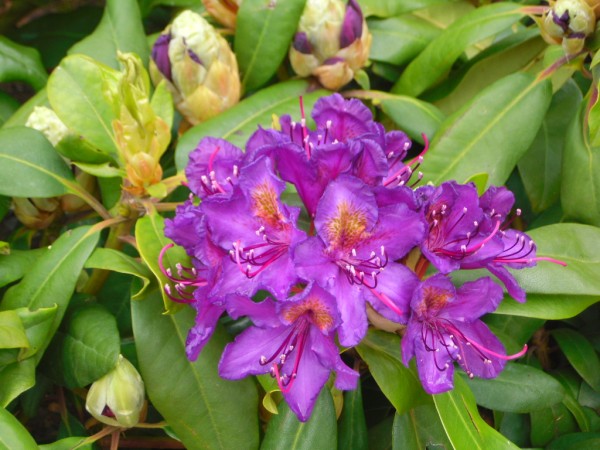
[292, 340]
[258, 232]
[444, 327]
[354, 252]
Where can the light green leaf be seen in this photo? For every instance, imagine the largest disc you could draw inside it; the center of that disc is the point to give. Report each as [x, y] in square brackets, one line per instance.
[518, 388]
[419, 428]
[387, 8]
[464, 426]
[475, 138]
[381, 351]
[29, 165]
[20, 63]
[162, 103]
[51, 280]
[13, 434]
[109, 259]
[437, 58]
[549, 307]
[213, 406]
[81, 93]
[12, 331]
[263, 34]
[15, 378]
[238, 123]
[90, 346]
[286, 432]
[16, 264]
[120, 29]
[415, 117]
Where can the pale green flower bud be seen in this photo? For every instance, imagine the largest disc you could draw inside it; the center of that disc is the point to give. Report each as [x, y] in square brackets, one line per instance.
[225, 11]
[48, 123]
[332, 42]
[200, 68]
[568, 22]
[118, 397]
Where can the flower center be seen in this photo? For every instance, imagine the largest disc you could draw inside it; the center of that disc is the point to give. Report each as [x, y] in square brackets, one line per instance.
[347, 227]
[259, 255]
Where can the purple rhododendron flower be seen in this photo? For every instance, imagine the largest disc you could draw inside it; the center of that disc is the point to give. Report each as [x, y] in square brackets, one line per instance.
[444, 327]
[293, 341]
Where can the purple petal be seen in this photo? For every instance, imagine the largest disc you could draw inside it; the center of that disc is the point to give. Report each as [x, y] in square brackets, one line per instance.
[371, 164]
[396, 283]
[497, 202]
[436, 370]
[349, 118]
[263, 314]
[160, 55]
[509, 281]
[351, 306]
[206, 321]
[328, 355]
[473, 300]
[313, 264]
[353, 24]
[474, 359]
[302, 44]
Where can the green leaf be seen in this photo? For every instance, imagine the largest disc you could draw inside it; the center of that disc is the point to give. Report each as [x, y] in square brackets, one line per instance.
[387, 8]
[109, 259]
[437, 58]
[399, 39]
[238, 123]
[201, 407]
[381, 351]
[581, 354]
[550, 423]
[8, 106]
[38, 328]
[13, 434]
[12, 331]
[286, 432]
[475, 138]
[51, 280]
[90, 347]
[540, 167]
[16, 378]
[263, 34]
[77, 149]
[80, 91]
[17, 263]
[20, 63]
[150, 237]
[549, 307]
[580, 174]
[419, 428]
[120, 29]
[518, 388]
[464, 426]
[352, 427]
[415, 117]
[162, 103]
[67, 444]
[29, 165]
[575, 441]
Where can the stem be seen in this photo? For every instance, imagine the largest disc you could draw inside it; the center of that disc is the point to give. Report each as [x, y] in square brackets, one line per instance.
[95, 437]
[80, 192]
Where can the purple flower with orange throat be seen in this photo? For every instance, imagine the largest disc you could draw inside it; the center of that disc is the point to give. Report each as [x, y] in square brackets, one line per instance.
[257, 231]
[293, 341]
[444, 327]
[354, 252]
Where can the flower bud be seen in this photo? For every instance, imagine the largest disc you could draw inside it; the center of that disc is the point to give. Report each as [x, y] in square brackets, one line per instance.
[37, 213]
[225, 11]
[118, 397]
[143, 171]
[200, 68]
[332, 42]
[48, 123]
[568, 22]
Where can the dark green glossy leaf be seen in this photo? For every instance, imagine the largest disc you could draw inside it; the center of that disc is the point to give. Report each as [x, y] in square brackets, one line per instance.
[581, 174]
[120, 29]
[263, 34]
[90, 345]
[238, 123]
[576, 441]
[464, 426]
[20, 63]
[474, 139]
[29, 165]
[419, 428]
[286, 432]
[80, 91]
[201, 407]
[352, 428]
[550, 423]
[401, 385]
[13, 434]
[109, 259]
[380, 435]
[581, 354]
[437, 58]
[51, 280]
[387, 8]
[399, 39]
[8, 106]
[540, 167]
[518, 388]
[16, 378]
[415, 117]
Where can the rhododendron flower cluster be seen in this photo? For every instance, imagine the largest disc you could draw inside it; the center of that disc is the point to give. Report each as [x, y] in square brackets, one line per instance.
[343, 251]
